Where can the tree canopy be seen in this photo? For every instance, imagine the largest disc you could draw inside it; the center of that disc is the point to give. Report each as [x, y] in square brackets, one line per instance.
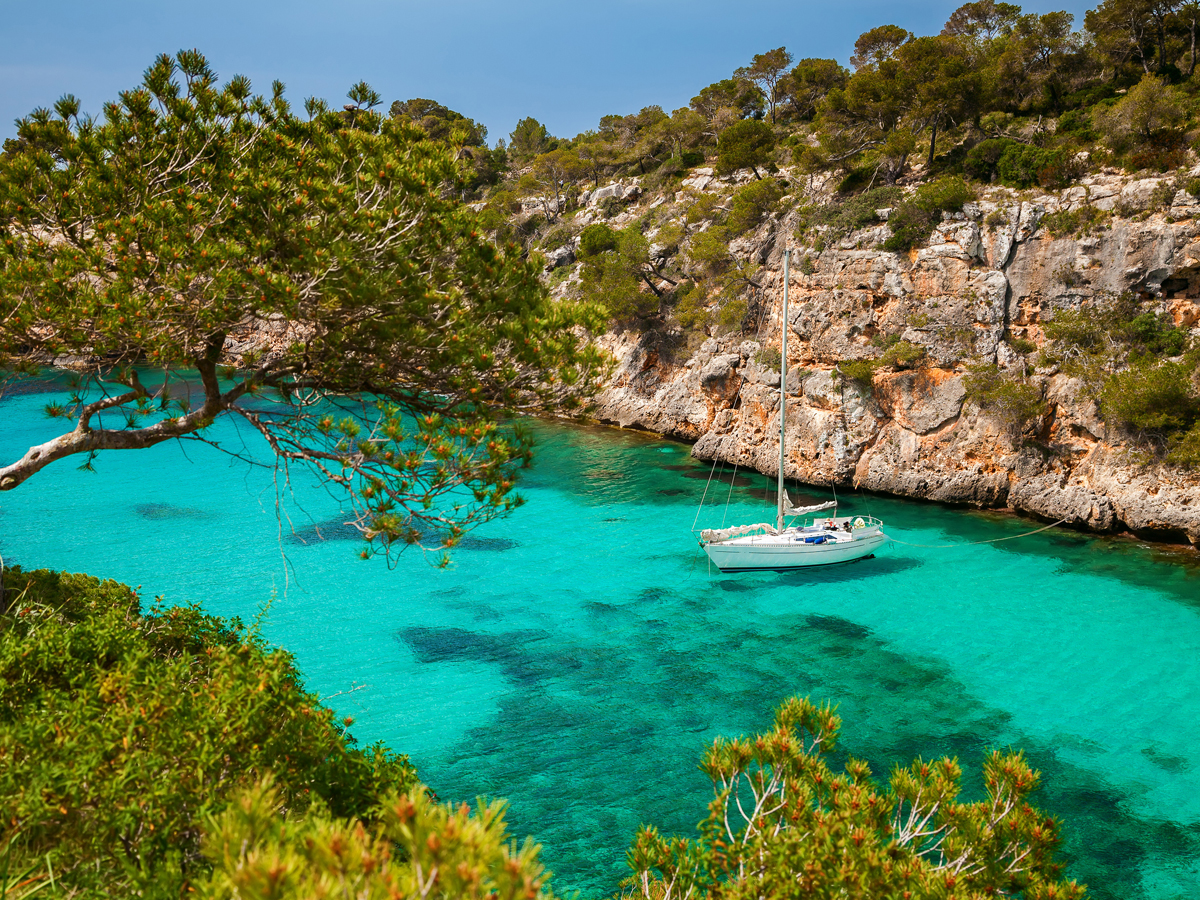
[783, 823]
[312, 273]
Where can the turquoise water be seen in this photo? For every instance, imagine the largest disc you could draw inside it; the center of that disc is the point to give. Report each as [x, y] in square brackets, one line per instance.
[579, 655]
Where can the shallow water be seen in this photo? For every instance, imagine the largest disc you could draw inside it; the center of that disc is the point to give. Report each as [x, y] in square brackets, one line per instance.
[579, 655]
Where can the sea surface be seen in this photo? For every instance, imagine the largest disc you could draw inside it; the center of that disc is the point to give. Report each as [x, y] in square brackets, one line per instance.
[578, 656]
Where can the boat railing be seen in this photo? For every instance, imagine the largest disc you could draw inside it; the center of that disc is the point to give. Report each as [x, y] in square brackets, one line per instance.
[819, 522]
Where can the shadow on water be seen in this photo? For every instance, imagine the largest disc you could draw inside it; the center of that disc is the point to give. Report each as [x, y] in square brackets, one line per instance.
[609, 716]
[158, 511]
[337, 530]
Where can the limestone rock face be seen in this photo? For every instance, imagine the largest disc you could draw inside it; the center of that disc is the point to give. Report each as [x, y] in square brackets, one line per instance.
[988, 276]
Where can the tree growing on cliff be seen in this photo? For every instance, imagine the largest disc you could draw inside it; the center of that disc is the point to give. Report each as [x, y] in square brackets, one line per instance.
[767, 72]
[171, 234]
[619, 272]
[747, 144]
[783, 823]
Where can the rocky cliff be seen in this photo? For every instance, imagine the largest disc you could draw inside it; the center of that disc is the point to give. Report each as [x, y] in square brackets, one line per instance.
[982, 287]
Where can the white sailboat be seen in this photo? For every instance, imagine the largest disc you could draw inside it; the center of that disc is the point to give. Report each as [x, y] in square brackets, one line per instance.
[816, 540]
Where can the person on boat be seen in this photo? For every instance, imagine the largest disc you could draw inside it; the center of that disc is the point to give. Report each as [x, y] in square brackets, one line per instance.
[830, 525]
[846, 526]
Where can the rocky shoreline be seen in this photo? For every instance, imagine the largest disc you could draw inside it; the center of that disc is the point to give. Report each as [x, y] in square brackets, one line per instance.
[987, 275]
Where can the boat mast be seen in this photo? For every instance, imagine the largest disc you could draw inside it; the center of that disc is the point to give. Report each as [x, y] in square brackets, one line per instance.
[787, 254]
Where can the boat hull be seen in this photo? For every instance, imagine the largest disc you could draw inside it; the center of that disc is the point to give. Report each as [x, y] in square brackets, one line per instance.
[789, 552]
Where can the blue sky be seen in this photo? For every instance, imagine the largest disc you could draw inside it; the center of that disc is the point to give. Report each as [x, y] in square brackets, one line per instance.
[566, 64]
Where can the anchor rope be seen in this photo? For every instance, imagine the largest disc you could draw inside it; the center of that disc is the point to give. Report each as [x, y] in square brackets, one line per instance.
[970, 543]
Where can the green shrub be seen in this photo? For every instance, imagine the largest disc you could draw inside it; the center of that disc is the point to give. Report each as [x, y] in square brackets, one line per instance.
[807, 266]
[770, 358]
[1067, 223]
[913, 221]
[1023, 166]
[1154, 334]
[903, 355]
[948, 193]
[1021, 345]
[596, 239]
[1150, 399]
[840, 219]
[1078, 124]
[984, 158]
[1184, 449]
[691, 306]
[1090, 342]
[706, 206]
[557, 237]
[860, 371]
[1012, 401]
[122, 732]
[746, 144]
[691, 158]
[910, 225]
[752, 203]
[419, 848]
[732, 314]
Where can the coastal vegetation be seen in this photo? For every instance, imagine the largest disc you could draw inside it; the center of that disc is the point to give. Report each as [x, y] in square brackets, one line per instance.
[164, 751]
[123, 730]
[220, 254]
[901, 141]
[367, 292]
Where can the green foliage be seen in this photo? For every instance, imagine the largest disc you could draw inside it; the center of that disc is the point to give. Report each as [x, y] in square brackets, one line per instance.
[1071, 222]
[530, 138]
[556, 238]
[770, 358]
[1024, 165]
[1184, 449]
[809, 83]
[903, 355]
[418, 849]
[833, 221]
[731, 98]
[860, 371]
[440, 122]
[1150, 109]
[595, 239]
[752, 203]
[910, 225]
[1020, 345]
[122, 732]
[723, 276]
[691, 307]
[747, 144]
[983, 160]
[1151, 399]
[618, 272]
[913, 220]
[195, 211]
[1014, 402]
[1021, 165]
[947, 193]
[706, 206]
[784, 823]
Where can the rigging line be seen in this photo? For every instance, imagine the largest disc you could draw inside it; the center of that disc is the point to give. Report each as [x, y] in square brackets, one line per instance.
[729, 496]
[700, 508]
[971, 543]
